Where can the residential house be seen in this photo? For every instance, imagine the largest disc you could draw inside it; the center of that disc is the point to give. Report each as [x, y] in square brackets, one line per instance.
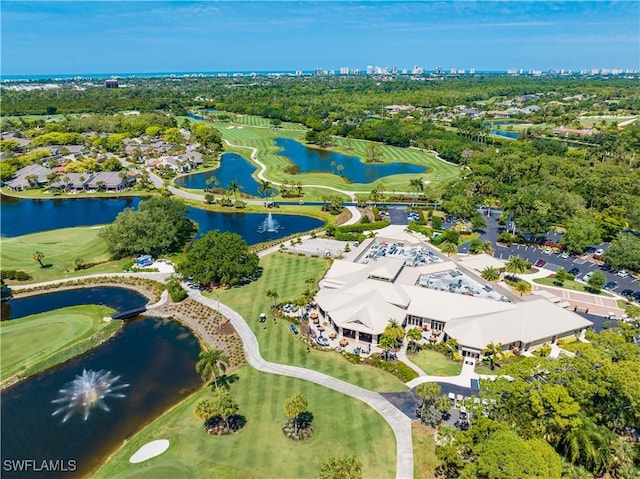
[30, 175]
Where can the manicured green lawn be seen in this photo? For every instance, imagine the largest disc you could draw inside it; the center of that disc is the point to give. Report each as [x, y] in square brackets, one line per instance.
[424, 451]
[60, 247]
[342, 426]
[435, 364]
[287, 274]
[33, 339]
[248, 131]
[572, 285]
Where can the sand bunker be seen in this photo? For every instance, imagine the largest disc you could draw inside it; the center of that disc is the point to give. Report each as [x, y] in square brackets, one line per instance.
[149, 450]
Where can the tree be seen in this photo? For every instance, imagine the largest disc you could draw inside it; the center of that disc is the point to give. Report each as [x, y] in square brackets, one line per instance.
[448, 248]
[485, 248]
[428, 392]
[522, 287]
[372, 152]
[111, 164]
[210, 363]
[393, 334]
[265, 188]
[234, 187]
[597, 281]
[341, 467]
[294, 407]
[490, 274]
[174, 136]
[273, 294]
[561, 276]
[624, 252]
[340, 168]
[212, 181]
[224, 405]
[494, 351]
[38, 256]
[204, 409]
[581, 231]
[516, 265]
[333, 165]
[414, 335]
[220, 258]
[159, 226]
[416, 185]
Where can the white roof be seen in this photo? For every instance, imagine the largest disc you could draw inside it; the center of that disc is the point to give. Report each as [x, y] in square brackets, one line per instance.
[481, 261]
[528, 322]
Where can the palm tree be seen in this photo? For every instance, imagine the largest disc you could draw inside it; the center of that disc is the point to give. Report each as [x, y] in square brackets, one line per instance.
[394, 333]
[490, 274]
[485, 247]
[414, 335]
[272, 293]
[515, 265]
[38, 256]
[294, 406]
[299, 188]
[264, 188]
[449, 248]
[212, 180]
[340, 168]
[415, 185]
[204, 409]
[522, 287]
[234, 186]
[494, 351]
[333, 165]
[427, 391]
[211, 362]
[224, 405]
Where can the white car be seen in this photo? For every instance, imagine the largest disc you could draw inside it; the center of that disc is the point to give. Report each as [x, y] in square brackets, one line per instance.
[547, 251]
[587, 276]
[564, 255]
[623, 273]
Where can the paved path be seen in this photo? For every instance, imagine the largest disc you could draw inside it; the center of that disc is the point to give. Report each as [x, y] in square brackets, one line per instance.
[400, 424]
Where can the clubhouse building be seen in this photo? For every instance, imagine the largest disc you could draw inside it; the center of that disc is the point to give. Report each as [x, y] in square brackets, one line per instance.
[401, 278]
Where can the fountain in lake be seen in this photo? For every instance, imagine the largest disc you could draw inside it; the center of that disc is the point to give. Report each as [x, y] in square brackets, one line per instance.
[87, 391]
[269, 225]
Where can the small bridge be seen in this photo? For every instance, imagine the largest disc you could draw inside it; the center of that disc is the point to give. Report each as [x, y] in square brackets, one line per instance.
[130, 313]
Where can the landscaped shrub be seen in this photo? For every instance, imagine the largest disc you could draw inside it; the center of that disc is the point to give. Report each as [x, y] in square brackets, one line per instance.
[376, 225]
[397, 368]
[16, 275]
[176, 291]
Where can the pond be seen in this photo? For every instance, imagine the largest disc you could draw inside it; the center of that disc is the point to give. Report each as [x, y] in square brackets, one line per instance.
[104, 295]
[154, 358]
[312, 159]
[23, 216]
[232, 167]
[18, 217]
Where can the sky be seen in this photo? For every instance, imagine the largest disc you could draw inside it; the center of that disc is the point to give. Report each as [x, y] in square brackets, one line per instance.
[76, 37]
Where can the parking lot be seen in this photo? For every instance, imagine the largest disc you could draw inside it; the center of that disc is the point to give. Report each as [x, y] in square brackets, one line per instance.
[411, 255]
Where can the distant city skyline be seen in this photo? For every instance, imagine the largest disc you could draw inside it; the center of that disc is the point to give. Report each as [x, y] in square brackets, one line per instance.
[40, 38]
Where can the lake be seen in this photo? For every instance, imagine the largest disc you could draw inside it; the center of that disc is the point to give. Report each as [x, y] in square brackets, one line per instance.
[105, 295]
[232, 167]
[23, 216]
[313, 159]
[155, 357]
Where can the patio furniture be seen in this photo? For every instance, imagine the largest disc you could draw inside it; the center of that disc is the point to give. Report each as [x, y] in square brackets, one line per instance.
[314, 315]
[320, 328]
[332, 335]
[343, 342]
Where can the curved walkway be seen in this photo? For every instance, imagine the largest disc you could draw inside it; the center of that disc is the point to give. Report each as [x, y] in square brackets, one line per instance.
[400, 424]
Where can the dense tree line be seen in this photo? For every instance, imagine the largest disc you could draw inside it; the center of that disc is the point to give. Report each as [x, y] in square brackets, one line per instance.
[582, 409]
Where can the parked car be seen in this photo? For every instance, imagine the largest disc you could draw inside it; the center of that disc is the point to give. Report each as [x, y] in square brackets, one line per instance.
[564, 255]
[636, 296]
[540, 263]
[547, 251]
[627, 293]
[574, 271]
[605, 267]
[623, 273]
[293, 328]
[611, 285]
[587, 276]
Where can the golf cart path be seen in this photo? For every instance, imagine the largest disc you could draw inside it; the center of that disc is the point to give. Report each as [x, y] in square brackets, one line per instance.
[400, 424]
